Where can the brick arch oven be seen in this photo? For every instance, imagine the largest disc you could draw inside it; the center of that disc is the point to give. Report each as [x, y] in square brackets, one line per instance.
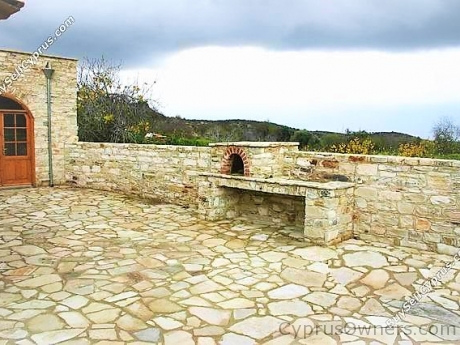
[235, 162]
[252, 179]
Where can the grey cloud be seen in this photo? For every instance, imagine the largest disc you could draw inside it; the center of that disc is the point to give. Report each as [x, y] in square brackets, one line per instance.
[139, 32]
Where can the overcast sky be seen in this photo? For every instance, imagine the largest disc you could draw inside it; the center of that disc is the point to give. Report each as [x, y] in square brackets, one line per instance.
[320, 65]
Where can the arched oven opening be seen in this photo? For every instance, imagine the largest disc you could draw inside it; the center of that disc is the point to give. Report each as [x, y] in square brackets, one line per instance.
[237, 165]
[235, 162]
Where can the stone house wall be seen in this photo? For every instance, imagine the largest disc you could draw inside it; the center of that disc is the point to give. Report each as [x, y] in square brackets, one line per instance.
[30, 89]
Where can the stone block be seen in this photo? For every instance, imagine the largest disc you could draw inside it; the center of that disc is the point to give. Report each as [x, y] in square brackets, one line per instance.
[406, 222]
[313, 232]
[405, 242]
[385, 219]
[367, 169]
[385, 195]
[422, 224]
[387, 174]
[315, 212]
[432, 237]
[368, 193]
[453, 216]
[443, 227]
[442, 200]
[378, 230]
[438, 181]
[406, 208]
[447, 249]
[331, 235]
[414, 197]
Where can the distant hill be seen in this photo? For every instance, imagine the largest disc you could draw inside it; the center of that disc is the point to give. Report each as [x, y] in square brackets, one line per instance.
[248, 130]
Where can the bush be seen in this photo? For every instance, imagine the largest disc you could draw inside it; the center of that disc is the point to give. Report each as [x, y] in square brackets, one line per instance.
[306, 139]
[330, 139]
[424, 148]
[354, 146]
[175, 140]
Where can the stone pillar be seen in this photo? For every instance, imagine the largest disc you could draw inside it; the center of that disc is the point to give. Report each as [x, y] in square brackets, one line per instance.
[211, 200]
[328, 215]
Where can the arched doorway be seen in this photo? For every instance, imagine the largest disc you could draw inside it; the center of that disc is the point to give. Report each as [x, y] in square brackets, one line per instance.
[16, 144]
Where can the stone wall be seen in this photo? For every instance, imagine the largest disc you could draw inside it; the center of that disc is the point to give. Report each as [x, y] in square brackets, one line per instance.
[156, 171]
[279, 210]
[30, 89]
[404, 201]
[408, 201]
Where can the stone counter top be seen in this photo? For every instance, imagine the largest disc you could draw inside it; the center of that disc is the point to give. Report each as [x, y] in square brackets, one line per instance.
[331, 185]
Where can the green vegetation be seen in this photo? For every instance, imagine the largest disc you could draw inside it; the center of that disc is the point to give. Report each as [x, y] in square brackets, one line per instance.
[109, 111]
[446, 137]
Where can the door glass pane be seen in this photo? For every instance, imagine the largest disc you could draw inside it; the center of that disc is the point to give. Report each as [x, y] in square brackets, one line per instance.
[10, 149]
[8, 120]
[7, 103]
[22, 149]
[20, 120]
[9, 134]
[21, 134]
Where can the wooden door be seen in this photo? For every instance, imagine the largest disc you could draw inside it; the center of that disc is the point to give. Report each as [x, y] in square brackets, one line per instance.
[16, 151]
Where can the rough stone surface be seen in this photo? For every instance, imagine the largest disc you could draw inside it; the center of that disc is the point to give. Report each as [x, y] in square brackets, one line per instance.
[257, 327]
[372, 259]
[288, 292]
[128, 273]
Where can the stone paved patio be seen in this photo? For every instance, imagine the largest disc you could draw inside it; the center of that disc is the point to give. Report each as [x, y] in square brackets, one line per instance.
[90, 267]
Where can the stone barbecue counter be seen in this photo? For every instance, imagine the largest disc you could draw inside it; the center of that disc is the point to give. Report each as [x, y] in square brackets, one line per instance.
[323, 208]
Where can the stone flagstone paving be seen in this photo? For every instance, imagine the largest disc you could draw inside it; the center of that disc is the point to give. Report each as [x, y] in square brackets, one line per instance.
[90, 267]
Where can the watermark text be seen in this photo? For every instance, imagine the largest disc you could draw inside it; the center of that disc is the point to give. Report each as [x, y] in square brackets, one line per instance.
[31, 61]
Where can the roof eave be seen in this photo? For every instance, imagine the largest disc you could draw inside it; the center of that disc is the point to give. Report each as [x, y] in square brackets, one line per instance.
[9, 7]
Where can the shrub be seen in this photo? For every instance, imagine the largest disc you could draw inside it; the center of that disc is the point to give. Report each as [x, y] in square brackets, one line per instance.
[424, 148]
[306, 139]
[354, 146]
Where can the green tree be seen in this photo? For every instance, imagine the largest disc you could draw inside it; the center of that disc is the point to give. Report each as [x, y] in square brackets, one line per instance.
[107, 109]
[285, 133]
[330, 139]
[305, 139]
[446, 136]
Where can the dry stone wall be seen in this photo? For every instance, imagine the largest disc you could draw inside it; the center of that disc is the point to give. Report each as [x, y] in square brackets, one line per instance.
[405, 201]
[156, 171]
